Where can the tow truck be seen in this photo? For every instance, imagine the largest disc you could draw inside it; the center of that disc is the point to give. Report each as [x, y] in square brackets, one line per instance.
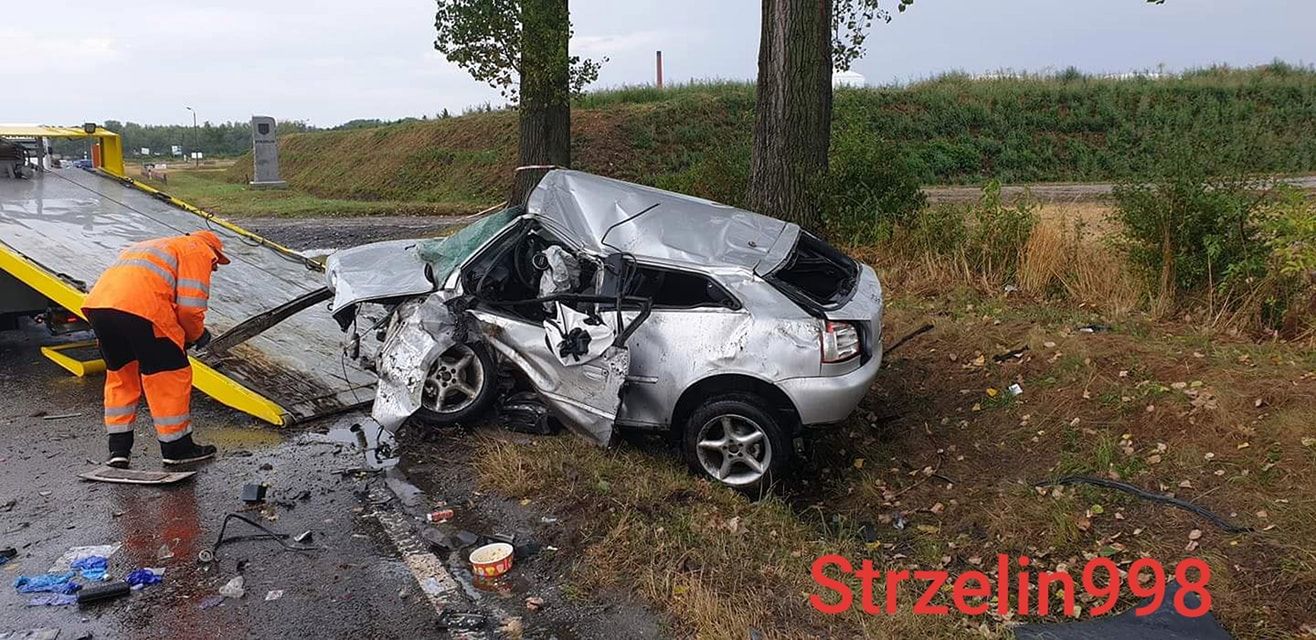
[60, 228]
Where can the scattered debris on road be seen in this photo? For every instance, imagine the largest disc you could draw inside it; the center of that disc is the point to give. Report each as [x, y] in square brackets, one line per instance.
[234, 588]
[145, 577]
[135, 476]
[910, 336]
[253, 493]
[103, 592]
[212, 554]
[47, 583]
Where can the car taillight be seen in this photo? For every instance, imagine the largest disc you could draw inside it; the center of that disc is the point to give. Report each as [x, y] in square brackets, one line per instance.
[840, 341]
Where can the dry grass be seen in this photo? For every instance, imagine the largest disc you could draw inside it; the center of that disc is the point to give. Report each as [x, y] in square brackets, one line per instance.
[1084, 268]
[717, 564]
[1220, 421]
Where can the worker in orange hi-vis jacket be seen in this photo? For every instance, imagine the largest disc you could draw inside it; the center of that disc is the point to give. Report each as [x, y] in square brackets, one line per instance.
[147, 309]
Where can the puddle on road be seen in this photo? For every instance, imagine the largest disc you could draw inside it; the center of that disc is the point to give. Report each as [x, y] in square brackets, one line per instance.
[230, 437]
[378, 447]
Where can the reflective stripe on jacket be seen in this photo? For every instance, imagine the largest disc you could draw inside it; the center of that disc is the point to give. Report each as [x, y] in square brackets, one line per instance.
[166, 281]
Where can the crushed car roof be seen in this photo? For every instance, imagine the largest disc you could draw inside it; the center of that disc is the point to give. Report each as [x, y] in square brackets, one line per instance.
[611, 216]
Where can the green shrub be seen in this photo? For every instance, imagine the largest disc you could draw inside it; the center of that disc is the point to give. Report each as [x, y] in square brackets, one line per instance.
[1191, 229]
[870, 187]
[988, 237]
[940, 230]
[720, 173]
[1000, 232]
[1288, 299]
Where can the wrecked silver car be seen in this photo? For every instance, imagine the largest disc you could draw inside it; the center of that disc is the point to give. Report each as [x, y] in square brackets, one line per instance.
[621, 306]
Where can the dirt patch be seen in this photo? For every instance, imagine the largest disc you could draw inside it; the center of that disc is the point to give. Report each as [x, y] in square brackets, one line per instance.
[1203, 418]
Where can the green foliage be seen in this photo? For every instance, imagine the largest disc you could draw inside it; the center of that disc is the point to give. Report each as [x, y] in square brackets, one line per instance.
[1189, 226]
[851, 20]
[1000, 231]
[226, 139]
[987, 237]
[870, 187]
[721, 174]
[484, 38]
[1289, 288]
[1291, 229]
[952, 130]
[940, 230]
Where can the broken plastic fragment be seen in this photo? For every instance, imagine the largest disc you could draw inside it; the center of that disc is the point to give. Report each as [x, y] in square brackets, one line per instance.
[234, 588]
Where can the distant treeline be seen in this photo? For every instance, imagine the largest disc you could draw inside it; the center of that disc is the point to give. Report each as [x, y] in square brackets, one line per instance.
[226, 139]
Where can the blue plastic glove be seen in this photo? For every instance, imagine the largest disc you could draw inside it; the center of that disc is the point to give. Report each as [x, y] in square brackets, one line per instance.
[50, 582]
[143, 577]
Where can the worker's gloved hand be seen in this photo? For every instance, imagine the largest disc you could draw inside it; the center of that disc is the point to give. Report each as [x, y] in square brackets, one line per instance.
[202, 340]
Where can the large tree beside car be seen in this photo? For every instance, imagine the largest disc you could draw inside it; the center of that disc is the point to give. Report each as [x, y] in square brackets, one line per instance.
[523, 44]
[800, 43]
[520, 47]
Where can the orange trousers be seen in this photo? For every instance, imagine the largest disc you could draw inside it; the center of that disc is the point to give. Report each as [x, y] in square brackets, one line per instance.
[137, 360]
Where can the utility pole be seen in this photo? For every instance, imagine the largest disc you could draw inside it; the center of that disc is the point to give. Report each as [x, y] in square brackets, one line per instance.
[660, 69]
[195, 137]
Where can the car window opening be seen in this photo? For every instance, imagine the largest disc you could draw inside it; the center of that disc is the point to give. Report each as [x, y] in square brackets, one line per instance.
[678, 289]
[509, 273]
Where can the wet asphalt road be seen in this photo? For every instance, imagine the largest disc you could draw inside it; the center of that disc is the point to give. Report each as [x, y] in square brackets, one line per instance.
[357, 587]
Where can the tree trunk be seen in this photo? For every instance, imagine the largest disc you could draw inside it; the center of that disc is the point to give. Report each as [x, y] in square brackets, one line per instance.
[545, 109]
[793, 116]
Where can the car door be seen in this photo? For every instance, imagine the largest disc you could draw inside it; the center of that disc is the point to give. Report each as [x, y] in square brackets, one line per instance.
[584, 394]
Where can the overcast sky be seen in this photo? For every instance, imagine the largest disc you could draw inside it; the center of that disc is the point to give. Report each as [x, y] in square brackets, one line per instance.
[328, 61]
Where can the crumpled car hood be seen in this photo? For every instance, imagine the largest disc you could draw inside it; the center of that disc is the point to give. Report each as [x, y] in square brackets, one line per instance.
[374, 271]
[609, 216]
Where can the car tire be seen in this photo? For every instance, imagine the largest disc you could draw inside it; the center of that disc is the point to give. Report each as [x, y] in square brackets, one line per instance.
[753, 459]
[467, 387]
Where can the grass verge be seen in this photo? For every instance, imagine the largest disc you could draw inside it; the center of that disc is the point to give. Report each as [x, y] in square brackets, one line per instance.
[1218, 421]
[206, 189]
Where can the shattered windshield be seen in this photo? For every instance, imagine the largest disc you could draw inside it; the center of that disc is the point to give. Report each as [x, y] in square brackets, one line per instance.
[444, 254]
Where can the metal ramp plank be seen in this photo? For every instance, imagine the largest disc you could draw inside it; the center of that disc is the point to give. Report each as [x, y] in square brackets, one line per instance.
[71, 224]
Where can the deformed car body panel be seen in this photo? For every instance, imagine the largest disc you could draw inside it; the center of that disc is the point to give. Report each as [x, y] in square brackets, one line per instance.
[388, 269]
[585, 396]
[608, 216]
[398, 268]
[678, 348]
[424, 328]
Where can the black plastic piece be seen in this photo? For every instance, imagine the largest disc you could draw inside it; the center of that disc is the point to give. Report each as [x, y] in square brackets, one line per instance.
[253, 493]
[104, 592]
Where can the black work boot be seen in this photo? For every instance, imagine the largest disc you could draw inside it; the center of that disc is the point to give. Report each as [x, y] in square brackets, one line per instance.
[184, 451]
[121, 449]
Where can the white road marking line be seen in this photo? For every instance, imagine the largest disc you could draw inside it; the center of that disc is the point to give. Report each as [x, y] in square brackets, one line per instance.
[435, 582]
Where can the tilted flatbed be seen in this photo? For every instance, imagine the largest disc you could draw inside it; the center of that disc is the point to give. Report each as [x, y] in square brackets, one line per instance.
[61, 229]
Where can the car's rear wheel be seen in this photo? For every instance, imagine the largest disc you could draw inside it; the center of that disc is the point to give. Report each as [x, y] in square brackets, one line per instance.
[733, 439]
[459, 386]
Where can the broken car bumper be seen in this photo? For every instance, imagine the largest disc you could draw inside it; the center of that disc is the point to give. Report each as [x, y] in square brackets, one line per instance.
[824, 400]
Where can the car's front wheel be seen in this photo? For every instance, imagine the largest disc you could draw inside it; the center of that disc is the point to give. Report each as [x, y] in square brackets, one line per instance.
[459, 386]
[734, 440]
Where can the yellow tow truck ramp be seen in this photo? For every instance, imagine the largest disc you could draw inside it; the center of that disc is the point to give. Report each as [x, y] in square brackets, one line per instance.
[61, 228]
